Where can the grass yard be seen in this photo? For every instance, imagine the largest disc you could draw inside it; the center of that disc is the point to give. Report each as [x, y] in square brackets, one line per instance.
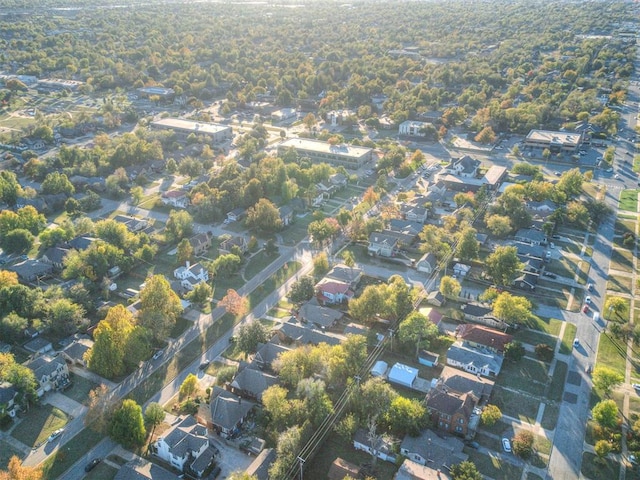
[620, 317]
[611, 353]
[335, 447]
[527, 375]
[567, 339]
[533, 337]
[181, 325]
[625, 225]
[63, 459]
[6, 452]
[101, 472]
[621, 260]
[547, 325]
[595, 470]
[515, 405]
[620, 283]
[493, 467]
[274, 282]
[257, 264]
[628, 200]
[80, 388]
[556, 388]
[40, 422]
[552, 297]
[550, 417]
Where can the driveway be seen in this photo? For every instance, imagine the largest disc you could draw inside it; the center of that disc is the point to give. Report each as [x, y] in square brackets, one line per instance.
[230, 459]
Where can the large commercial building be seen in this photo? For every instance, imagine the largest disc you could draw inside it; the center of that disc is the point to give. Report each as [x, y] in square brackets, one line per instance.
[348, 156]
[183, 128]
[556, 142]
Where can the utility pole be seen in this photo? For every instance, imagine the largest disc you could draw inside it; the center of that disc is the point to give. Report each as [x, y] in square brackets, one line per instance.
[301, 461]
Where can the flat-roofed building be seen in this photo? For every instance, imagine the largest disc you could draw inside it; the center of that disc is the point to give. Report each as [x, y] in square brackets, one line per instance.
[555, 141]
[184, 128]
[162, 92]
[349, 156]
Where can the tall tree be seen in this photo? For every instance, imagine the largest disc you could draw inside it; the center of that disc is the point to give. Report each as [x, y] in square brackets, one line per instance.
[512, 309]
[418, 330]
[264, 216]
[302, 290]
[189, 386]
[106, 356]
[17, 471]
[450, 287]
[605, 413]
[154, 416]
[465, 471]
[160, 307]
[185, 251]
[503, 264]
[250, 335]
[99, 409]
[468, 246]
[179, 225]
[127, 425]
[234, 303]
[605, 379]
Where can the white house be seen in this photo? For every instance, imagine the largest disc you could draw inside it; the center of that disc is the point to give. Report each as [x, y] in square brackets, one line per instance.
[412, 128]
[477, 362]
[185, 446]
[175, 198]
[403, 375]
[191, 275]
[51, 373]
[383, 450]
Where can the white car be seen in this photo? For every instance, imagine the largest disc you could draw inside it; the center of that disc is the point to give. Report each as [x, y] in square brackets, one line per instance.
[587, 300]
[506, 445]
[157, 355]
[55, 435]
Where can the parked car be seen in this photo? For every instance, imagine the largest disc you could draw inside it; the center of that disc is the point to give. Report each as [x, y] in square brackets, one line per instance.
[585, 309]
[576, 343]
[506, 445]
[636, 386]
[474, 445]
[550, 275]
[55, 435]
[590, 287]
[92, 464]
[589, 369]
[204, 365]
[157, 355]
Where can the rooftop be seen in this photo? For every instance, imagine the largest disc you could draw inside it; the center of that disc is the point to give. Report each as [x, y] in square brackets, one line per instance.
[325, 147]
[196, 127]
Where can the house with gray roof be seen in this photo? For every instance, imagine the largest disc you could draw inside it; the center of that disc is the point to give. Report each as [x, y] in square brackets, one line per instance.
[75, 351]
[251, 383]
[343, 273]
[384, 450]
[382, 244]
[531, 236]
[259, 468]
[8, 397]
[31, 270]
[226, 412]
[465, 166]
[456, 380]
[55, 256]
[431, 449]
[405, 226]
[185, 445]
[301, 335]
[133, 224]
[321, 317]
[81, 242]
[414, 213]
[452, 411]
[141, 469]
[51, 373]
[474, 360]
[266, 354]
[427, 263]
[38, 345]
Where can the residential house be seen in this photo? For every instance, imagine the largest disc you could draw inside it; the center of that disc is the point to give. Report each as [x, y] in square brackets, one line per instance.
[460, 270]
[384, 450]
[54, 202]
[432, 314]
[321, 317]
[434, 450]
[293, 333]
[236, 214]
[340, 469]
[481, 336]
[74, 353]
[531, 265]
[51, 373]
[55, 256]
[345, 274]
[191, 275]
[38, 203]
[251, 383]
[382, 245]
[542, 209]
[436, 298]
[227, 412]
[38, 345]
[141, 469]
[133, 224]
[478, 361]
[404, 240]
[185, 446]
[413, 128]
[427, 263]
[175, 198]
[465, 166]
[338, 180]
[531, 236]
[451, 411]
[227, 245]
[456, 380]
[405, 226]
[326, 190]
[259, 468]
[31, 270]
[8, 397]
[526, 281]
[494, 177]
[475, 312]
[81, 242]
[402, 374]
[266, 354]
[410, 470]
[529, 250]
[201, 243]
[414, 213]
[333, 292]
[286, 215]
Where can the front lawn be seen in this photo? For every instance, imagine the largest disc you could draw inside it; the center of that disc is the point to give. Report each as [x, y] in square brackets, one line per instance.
[556, 388]
[550, 417]
[526, 374]
[515, 405]
[628, 200]
[494, 467]
[620, 317]
[257, 264]
[612, 354]
[567, 339]
[621, 260]
[550, 326]
[6, 452]
[594, 470]
[619, 283]
[533, 337]
[101, 472]
[179, 328]
[38, 424]
[80, 388]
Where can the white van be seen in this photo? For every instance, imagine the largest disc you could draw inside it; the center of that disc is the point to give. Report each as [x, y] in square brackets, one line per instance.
[596, 317]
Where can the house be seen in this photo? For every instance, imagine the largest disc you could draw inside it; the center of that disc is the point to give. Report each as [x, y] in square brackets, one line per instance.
[286, 215]
[481, 336]
[266, 354]
[227, 245]
[451, 411]
[432, 314]
[259, 468]
[321, 317]
[326, 190]
[55, 256]
[340, 469]
[405, 226]
[339, 180]
[459, 381]
[428, 359]
[460, 270]
[175, 198]
[31, 270]
[345, 274]
[531, 265]
[141, 469]
[529, 250]
[227, 412]
[384, 450]
[51, 373]
[333, 292]
[427, 263]
[494, 177]
[185, 446]
[133, 224]
[431, 449]
[465, 166]
[402, 374]
[382, 245]
[74, 353]
[412, 128]
[526, 281]
[38, 345]
[410, 470]
[236, 214]
[404, 240]
[291, 332]
[8, 398]
[531, 236]
[414, 213]
[191, 275]
[81, 242]
[475, 312]
[543, 208]
[200, 243]
[436, 298]
[472, 360]
[251, 383]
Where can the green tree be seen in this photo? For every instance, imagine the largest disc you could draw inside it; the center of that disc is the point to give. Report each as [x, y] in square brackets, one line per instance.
[514, 351]
[503, 264]
[374, 398]
[179, 225]
[185, 251]
[465, 471]
[127, 425]
[321, 264]
[523, 444]
[56, 182]
[264, 216]
[468, 247]
[240, 475]
[106, 356]
[499, 225]
[189, 386]
[276, 406]
[602, 449]
[616, 305]
[418, 330]
[491, 415]
[22, 378]
[200, 294]
[512, 309]
[137, 194]
[17, 241]
[154, 416]
[605, 413]
[159, 307]
[406, 415]
[302, 290]
[250, 335]
[450, 287]
[606, 379]
[65, 316]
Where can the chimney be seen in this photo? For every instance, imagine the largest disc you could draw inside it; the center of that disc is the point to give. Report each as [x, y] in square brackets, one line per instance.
[188, 264]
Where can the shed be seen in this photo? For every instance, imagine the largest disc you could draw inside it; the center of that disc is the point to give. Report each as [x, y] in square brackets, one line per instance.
[428, 358]
[379, 369]
[403, 375]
